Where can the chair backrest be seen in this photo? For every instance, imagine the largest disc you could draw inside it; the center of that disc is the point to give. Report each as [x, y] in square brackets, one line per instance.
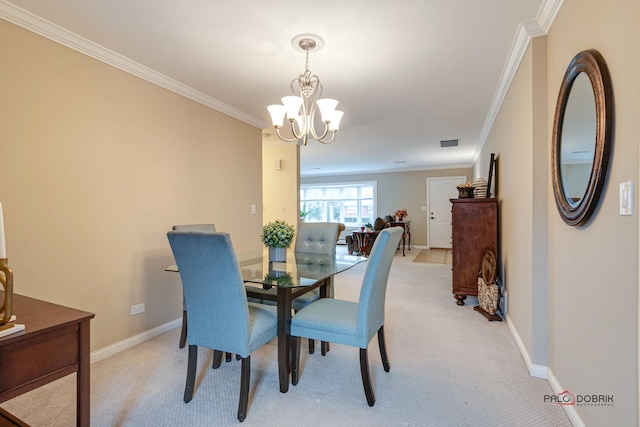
[317, 237]
[374, 282]
[208, 228]
[214, 291]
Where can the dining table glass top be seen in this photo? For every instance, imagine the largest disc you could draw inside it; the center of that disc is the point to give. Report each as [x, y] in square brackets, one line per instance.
[299, 270]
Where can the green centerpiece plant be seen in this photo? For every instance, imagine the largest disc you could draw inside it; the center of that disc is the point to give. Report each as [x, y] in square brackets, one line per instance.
[277, 236]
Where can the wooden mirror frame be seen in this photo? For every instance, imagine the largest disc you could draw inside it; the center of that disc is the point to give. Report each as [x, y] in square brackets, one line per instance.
[593, 65]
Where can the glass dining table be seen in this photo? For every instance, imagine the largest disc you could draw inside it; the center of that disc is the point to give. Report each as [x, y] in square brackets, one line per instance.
[282, 282]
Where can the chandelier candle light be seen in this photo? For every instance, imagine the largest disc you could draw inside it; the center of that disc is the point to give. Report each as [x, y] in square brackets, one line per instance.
[301, 110]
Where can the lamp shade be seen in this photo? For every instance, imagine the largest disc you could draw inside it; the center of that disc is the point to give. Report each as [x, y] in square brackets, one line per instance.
[335, 120]
[277, 113]
[327, 106]
[292, 105]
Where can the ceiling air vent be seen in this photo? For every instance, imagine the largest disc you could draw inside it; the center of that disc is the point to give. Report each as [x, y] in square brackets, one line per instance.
[449, 143]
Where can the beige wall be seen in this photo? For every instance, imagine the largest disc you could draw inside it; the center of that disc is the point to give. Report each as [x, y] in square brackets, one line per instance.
[589, 274]
[97, 166]
[594, 269]
[280, 187]
[400, 190]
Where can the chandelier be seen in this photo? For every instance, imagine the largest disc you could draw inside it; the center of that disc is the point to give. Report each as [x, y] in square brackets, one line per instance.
[301, 109]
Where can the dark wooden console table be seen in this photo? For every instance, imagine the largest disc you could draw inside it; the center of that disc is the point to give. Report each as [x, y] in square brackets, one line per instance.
[406, 236]
[54, 344]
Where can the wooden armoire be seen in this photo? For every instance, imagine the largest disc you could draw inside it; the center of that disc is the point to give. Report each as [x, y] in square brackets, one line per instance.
[474, 226]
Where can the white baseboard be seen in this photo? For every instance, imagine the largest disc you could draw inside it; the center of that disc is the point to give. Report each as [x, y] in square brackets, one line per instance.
[537, 371]
[126, 344]
[569, 410]
[543, 372]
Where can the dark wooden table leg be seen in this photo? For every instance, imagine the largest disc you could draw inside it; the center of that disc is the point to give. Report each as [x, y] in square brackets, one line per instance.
[83, 404]
[324, 293]
[284, 339]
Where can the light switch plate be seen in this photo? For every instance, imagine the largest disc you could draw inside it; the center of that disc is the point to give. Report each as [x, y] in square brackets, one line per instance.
[626, 198]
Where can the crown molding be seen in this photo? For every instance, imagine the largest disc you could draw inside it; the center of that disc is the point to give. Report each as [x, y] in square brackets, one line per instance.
[547, 14]
[53, 32]
[525, 32]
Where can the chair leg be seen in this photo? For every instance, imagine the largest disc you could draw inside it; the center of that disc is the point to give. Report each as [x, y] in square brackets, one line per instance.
[245, 379]
[228, 357]
[324, 347]
[295, 360]
[383, 350]
[192, 363]
[217, 359]
[312, 343]
[366, 378]
[183, 333]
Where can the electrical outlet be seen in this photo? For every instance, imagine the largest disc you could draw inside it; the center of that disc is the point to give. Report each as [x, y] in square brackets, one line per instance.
[137, 309]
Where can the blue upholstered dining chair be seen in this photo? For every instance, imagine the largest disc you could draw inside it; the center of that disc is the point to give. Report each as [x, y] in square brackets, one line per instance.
[208, 228]
[315, 238]
[350, 323]
[220, 317]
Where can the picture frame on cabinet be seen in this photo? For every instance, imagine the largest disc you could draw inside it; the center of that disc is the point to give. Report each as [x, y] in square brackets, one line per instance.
[492, 172]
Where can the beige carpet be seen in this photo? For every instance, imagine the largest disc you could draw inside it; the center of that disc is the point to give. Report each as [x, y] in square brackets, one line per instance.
[449, 367]
[434, 256]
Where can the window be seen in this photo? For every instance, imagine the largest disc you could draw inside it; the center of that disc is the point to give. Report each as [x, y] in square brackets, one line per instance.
[352, 203]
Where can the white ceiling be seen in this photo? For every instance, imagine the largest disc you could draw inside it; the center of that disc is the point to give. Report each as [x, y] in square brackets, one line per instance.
[407, 73]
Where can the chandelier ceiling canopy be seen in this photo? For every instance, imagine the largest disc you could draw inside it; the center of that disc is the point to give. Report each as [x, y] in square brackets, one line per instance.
[300, 108]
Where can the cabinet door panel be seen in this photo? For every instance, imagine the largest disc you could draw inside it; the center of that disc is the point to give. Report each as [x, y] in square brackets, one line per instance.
[475, 226]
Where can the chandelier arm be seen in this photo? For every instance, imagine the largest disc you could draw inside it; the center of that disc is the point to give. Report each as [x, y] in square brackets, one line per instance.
[311, 128]
[319, 137]
[333, 136]
[305, 114]
[297, 135]
[299, 80]
[283, 138]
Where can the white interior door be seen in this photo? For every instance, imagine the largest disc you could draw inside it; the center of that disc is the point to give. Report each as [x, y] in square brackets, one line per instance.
[439, 191]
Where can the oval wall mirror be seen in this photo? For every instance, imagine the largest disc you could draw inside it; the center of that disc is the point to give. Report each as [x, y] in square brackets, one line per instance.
[582, 130]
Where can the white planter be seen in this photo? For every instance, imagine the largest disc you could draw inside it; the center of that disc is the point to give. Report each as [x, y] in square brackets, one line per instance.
[277, 254]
